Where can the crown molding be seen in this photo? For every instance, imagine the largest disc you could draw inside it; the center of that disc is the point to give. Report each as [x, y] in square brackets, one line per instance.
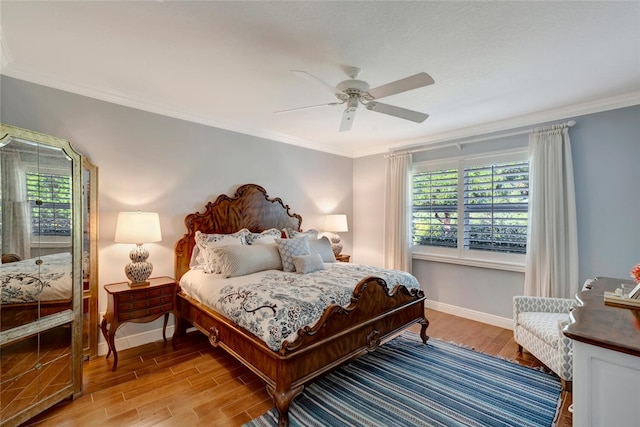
[124, 99]
[567, 112]
[11, 69]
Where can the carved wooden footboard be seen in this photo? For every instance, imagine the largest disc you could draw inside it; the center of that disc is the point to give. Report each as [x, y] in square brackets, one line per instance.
[374, 315]
[342, 333]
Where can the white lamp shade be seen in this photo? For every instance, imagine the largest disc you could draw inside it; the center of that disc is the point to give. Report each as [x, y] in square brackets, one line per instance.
[336, 223]
[138, 227]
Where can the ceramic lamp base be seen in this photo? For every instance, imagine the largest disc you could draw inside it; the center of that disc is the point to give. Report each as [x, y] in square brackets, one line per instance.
[139, 269]
[336, 245]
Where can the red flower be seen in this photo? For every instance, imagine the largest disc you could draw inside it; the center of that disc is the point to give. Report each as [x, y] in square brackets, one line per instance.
[635, 273]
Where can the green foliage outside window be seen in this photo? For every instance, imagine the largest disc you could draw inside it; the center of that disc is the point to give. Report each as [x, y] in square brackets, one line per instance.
[495, 207]
[435, 208]
[50, 199]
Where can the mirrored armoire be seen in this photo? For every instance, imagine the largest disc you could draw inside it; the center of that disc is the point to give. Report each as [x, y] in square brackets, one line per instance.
[48, 307]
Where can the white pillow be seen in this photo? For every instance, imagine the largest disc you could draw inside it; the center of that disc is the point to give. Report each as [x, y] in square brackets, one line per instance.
[308, 263]
[236, 261]
[197, 259]
[290, 233]
[323, 247]
[289, 248]
[207, 242]
[266, 237]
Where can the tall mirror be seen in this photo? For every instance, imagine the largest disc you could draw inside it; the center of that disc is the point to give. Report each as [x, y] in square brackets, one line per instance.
[41, 273]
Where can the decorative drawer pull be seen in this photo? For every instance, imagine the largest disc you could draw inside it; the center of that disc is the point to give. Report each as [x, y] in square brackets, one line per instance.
[373, 340]
[214, 336]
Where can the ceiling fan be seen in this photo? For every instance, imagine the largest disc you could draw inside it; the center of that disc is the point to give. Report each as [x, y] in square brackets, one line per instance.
[353, 92]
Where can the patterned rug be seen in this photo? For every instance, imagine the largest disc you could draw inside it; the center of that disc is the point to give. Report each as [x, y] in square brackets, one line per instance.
[405, 383]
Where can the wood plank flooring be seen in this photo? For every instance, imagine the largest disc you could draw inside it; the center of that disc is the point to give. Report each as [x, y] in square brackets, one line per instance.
[199, 385]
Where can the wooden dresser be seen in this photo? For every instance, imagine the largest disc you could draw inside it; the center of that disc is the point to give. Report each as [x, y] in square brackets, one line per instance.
[606, 358]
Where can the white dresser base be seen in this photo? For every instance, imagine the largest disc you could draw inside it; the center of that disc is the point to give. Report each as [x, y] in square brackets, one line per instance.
[606, 387]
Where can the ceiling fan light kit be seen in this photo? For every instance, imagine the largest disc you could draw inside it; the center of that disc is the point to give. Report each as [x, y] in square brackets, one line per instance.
[353, 92]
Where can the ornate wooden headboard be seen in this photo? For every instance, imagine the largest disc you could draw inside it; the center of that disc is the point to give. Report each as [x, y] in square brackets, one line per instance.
[249, 208]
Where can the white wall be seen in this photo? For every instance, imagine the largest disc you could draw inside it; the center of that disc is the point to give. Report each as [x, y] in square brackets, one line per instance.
[156, 163]
[368, 210]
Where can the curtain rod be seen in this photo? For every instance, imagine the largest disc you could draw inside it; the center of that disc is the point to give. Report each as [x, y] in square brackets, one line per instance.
[434, 146]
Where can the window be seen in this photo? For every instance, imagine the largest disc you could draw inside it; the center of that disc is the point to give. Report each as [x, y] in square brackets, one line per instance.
[435, 208]
[496, 207]
[472, 207]
[50, 198]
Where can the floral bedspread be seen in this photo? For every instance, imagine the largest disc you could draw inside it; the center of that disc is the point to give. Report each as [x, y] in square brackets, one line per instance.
[24, 281]
[278, 304]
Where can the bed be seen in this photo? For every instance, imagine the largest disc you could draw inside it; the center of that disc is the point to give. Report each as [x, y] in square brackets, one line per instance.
[25, 296]
[373, 313]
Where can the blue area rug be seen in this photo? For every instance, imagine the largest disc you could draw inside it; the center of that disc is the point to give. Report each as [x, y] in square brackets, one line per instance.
[405, 383]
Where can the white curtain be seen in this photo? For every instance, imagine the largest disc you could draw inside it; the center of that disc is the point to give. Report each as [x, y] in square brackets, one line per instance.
[552, 241]
[16, 218]
[397, 232]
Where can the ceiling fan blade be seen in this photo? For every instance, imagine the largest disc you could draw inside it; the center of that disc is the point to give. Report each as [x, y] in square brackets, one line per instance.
[392, 110]
[347, 119]
[331, 104]
[313, 78]
[402, 85]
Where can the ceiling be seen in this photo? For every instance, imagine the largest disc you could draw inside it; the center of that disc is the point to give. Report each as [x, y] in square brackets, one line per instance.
[496, 65]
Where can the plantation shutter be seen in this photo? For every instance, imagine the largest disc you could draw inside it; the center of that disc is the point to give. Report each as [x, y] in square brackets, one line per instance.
[495, 207]
[50, 199]
[435, 208]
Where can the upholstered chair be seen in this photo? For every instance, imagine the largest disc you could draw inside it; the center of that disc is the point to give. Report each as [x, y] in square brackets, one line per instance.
[537, 327]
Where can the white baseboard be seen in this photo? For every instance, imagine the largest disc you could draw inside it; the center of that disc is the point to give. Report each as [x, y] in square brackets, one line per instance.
[490, 319]
[124, 341]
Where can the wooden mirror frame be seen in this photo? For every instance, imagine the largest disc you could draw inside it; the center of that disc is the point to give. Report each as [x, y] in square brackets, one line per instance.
[90, 293]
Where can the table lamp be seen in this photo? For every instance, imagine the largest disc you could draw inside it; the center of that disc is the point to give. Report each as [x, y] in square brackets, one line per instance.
[336, 224]
[138, 228]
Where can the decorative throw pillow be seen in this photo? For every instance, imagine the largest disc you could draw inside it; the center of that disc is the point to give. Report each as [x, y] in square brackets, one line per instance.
[207, 242]
[323, 247]
[236, 261]
[290, 233]
[289, 248]
[266, 237]
[308, 263]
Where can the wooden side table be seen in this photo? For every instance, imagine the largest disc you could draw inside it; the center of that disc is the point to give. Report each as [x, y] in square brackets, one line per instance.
[140, 304]
[343, 258]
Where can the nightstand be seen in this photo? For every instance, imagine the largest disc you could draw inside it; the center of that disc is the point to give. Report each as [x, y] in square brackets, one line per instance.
[343, 258]
[141, 304]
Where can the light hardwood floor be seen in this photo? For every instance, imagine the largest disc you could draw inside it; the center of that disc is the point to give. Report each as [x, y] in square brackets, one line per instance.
[198, 385]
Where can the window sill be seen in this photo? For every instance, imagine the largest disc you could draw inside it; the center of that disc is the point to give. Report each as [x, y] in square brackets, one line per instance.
[495, 265]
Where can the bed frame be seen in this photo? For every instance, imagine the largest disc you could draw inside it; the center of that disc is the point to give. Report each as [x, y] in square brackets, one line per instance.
[374, 315]
[12, 315]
